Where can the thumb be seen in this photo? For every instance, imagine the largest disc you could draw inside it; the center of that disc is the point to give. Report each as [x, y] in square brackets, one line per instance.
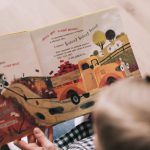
[41, 138]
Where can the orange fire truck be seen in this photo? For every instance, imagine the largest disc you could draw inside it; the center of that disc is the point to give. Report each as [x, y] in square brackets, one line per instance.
[90, 75]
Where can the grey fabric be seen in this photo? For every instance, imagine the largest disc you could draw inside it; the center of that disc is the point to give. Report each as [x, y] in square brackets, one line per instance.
[62, 128]
[82, 131]
[85, 144]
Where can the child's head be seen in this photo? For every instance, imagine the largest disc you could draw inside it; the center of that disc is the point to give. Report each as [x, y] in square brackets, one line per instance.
[122, 116]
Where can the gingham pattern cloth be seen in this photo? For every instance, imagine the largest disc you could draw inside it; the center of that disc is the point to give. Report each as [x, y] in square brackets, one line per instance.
[80, 133]
[85, 144]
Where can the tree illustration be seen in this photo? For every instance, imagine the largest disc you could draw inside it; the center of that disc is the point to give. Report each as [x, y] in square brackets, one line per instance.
[110, 35]
[99, 39]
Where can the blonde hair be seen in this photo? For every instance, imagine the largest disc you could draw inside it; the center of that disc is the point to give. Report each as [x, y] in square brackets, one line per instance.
[122, 116]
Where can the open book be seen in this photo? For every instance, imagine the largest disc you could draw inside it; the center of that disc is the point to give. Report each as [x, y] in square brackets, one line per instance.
[53, 74]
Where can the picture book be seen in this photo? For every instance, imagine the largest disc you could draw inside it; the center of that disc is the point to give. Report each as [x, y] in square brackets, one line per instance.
[54, 73]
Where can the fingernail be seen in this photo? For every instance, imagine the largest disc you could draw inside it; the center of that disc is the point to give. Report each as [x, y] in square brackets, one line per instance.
[36, 130]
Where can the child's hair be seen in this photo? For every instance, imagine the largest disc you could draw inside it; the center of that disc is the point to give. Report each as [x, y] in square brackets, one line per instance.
[122, 116]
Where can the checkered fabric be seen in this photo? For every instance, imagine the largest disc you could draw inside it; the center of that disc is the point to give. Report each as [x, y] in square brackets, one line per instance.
[82, 131]
[85, 144]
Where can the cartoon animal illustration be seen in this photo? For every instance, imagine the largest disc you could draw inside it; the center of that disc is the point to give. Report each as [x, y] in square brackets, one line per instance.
[3, 82]
[125, 67]
[111, 48]
[118, 44]
[114, 46]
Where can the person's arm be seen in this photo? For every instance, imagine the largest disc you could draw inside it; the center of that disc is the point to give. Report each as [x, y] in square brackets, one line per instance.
[78, 133]
[39, 141]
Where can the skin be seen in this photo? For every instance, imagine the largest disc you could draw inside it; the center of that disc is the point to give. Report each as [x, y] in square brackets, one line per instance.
[36, 141]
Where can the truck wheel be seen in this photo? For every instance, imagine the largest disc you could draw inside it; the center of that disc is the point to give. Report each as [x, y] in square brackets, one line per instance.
[75, 98]
[110, 80]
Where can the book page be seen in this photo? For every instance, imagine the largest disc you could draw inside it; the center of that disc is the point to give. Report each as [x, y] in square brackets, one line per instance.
[80, 56]
[17, 56]
[17, 61]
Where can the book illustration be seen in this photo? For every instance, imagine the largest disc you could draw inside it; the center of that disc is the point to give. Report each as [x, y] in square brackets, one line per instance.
[15, 120]
[69, 91]
[72, 86]
[118, 48]
[3, 82]
[74, 82]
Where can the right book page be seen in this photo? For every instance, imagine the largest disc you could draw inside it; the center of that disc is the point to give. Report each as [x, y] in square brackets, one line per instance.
[80, 56]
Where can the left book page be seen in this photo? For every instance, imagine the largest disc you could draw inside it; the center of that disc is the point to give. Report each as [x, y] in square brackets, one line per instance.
[17, 59]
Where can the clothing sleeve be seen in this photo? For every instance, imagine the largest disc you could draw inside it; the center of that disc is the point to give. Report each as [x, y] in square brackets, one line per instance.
[78, 133]
[85, 144]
